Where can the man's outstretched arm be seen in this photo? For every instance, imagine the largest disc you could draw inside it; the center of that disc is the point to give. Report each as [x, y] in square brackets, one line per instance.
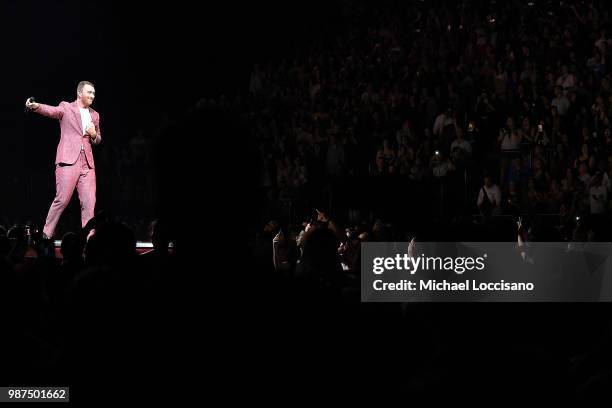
[53, 112]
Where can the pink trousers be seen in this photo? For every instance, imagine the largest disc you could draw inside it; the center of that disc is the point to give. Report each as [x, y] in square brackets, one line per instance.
[78, 175]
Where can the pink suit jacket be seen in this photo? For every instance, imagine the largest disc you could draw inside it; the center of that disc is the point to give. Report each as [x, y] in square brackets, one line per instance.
[72, 136]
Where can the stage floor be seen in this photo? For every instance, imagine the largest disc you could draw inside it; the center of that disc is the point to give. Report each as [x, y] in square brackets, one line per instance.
[141, 248]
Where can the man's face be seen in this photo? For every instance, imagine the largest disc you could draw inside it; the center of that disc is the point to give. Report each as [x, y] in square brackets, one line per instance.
[87, 95]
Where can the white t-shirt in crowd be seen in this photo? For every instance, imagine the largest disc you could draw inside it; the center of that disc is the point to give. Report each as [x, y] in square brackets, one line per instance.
[598, 197]
[562, 104]
[493, 192]
[463, 145]
[441, 169]
[441, 122]
[510, 142]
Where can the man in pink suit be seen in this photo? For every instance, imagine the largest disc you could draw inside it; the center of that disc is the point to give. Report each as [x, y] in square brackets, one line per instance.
[74, 163]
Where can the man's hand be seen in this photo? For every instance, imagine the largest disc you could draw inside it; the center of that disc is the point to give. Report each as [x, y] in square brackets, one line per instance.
[322, 216]
[91, 131]
[31, 105]
[278, 239]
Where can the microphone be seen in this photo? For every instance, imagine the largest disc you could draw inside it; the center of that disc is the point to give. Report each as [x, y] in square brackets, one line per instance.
[27, 110]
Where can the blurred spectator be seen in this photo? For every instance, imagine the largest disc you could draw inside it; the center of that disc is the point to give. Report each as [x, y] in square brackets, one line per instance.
[489, 198]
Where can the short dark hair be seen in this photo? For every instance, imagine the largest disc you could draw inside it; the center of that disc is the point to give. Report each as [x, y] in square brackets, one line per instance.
[82, 84]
